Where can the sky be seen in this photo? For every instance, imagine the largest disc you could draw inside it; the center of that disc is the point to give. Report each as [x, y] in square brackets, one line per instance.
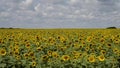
[59, 13]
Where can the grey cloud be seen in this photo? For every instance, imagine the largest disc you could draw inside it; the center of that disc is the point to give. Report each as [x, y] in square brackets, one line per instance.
[108, 5]
[59, 13]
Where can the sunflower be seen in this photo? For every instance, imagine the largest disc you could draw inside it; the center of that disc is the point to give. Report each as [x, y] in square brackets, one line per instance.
[102, 40]
[2, 52]
[115, 50]
[101, 58]
[39, 49]
[89, 39]
[16, 52]
[109, 45]
[44, 58]
[65, 57]
[16, 46]
[80, 46]
[91, 58]
[87, 48]
[17, 57]
[37, 43]
[26, 55]
[31, 54]
[116, 41]
[49, 53]
[55, 54]
[99, 47]
[10, 46]
[27, 45]
[74, 52]
[34, 64]
[34, 58]
[103, 52]
[62, 38]
[83, 42]
[0, 40]
[77, 54]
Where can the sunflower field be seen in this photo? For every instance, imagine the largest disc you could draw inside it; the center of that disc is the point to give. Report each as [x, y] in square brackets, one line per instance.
[59, 48]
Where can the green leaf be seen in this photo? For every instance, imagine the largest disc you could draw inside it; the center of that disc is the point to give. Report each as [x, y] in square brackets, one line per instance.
[23, 62]
[38, 66]
[13, 66]
[2, 65]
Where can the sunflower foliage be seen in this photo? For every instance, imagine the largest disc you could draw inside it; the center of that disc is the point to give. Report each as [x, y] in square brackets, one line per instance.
[59, 48]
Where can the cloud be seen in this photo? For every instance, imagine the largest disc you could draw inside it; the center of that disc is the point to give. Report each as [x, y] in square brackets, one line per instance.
[25, 4]
[37, 7]
[108, 5]
[4, 14]
[59, 13]
[73, 1]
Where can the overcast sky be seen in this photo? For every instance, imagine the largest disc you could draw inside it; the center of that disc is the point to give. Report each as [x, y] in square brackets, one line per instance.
[59, 13]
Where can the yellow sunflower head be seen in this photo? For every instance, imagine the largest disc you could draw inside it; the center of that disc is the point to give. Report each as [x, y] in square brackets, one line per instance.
[44, 57]
[101, 58]
[65, 57]
[26, 55]
[31, 54]
[91, 58]
[17, 57]
[55, 54]
[2, 52]
[39, 49]
[34, 64]
[27, 45]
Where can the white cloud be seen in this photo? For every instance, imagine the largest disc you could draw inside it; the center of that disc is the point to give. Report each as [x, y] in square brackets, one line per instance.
[4, 14]
[44, 14]
[50, 8]
[25, 4]
[37, 7]
[89, 16]
[77, 11]
[73, 1]
[60, 14]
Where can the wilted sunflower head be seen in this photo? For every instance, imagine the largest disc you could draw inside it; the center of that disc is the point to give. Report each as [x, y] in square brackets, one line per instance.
[2, 52]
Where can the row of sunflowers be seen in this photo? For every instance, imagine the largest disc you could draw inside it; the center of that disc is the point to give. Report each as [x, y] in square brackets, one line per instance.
[59, 48]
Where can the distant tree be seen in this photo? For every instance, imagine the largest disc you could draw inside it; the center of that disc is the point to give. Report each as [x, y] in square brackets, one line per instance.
[2, 28]
[10, 28]
[111, 28]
